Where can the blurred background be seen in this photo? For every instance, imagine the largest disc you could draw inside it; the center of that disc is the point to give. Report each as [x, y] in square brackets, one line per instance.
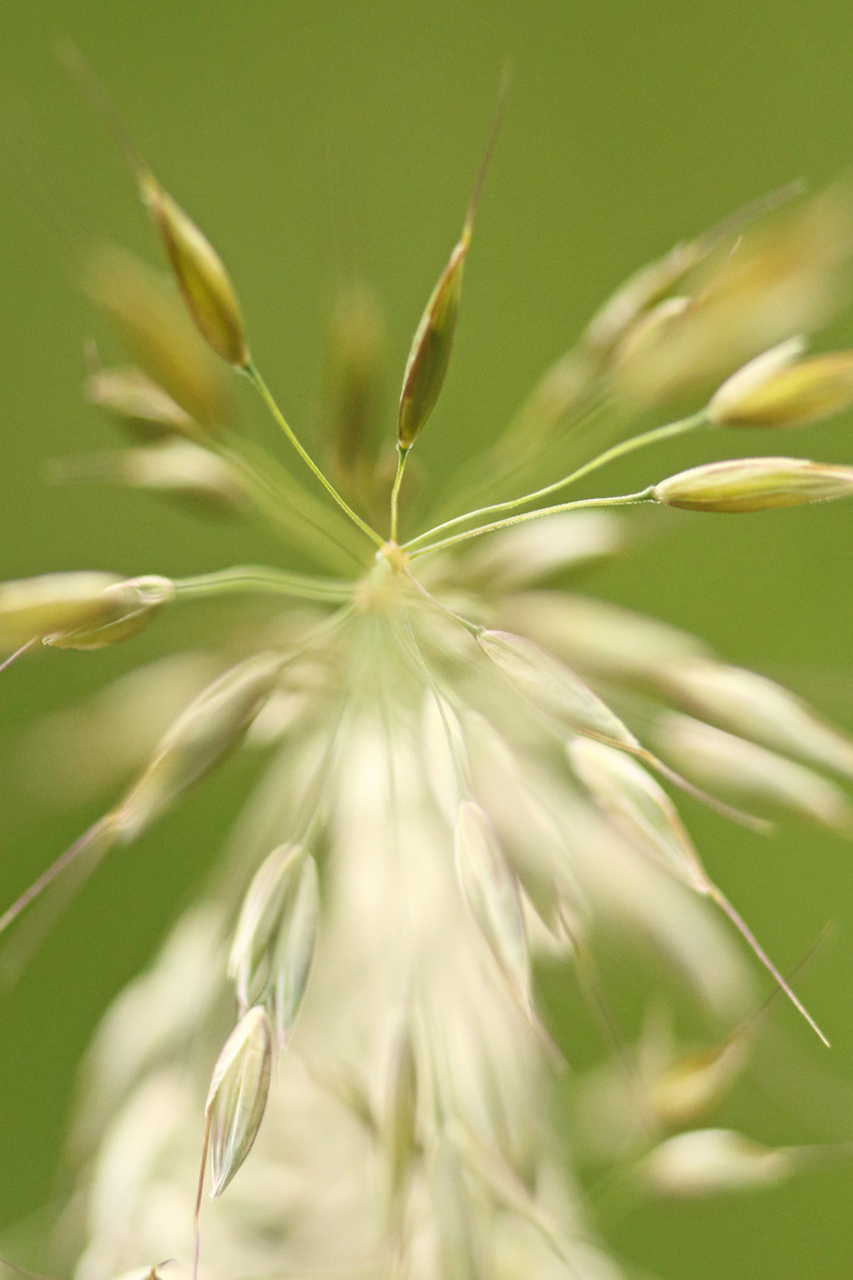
[321, 143]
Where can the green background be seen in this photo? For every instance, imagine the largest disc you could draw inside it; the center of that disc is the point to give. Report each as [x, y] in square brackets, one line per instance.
[314, 141]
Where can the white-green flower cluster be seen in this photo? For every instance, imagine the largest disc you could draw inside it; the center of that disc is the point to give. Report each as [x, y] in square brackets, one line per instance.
[465, 771]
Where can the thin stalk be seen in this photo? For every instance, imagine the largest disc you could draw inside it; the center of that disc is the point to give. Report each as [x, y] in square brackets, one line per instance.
[18, 653]
[620, 500]
[197, 1215]
[717, 895]
[250, 579]
[255, 377]
[285, 503]
[402, 455]
[609, 455]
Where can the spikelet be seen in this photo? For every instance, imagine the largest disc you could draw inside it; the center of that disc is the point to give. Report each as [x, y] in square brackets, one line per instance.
[728, 763]
[260, 917]
[779, 390]
[237, 1097]
[39, 606]
[429, 356]
[203, 280]
[138, 403]
[553, 689]
[176, 469]
[129, 606]
[432, 345]
[709, 1161]
[79, 610]
[754, 484]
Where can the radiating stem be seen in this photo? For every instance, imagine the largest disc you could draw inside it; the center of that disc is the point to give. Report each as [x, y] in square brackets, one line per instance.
[609, 455]
[402, 455]
[276, 495]
[620, 500]
[250, 579]
[255, 377]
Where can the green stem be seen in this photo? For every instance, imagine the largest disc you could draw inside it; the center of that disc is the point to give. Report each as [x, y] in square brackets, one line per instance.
[275, 495]
[620, 500]
[254, 375]
[609, 455]
[248, 579]
[402, 455]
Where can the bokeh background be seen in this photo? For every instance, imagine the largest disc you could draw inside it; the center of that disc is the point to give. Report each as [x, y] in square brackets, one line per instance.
[319, 141]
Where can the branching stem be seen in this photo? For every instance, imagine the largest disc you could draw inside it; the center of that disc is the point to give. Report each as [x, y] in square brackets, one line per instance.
[620, 500]
[670, 429]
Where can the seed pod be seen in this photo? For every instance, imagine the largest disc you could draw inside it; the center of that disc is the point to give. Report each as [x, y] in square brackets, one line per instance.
[139, 403]
[237, 1097]
[294, 951]
[754, 484]
[492, 894]
[127, 607]
[35, 607]
[201, 275]
[778, 390]
[553, 689]
[628, 794]
[709, 1161]
[211, 726]
[260, 916]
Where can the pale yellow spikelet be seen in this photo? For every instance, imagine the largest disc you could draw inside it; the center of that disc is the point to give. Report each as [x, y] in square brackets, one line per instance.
[779, 390]
[131, 396]
[237, 1097]
[754, 484]
[710, 1161]
[552, 688]
[127, 607]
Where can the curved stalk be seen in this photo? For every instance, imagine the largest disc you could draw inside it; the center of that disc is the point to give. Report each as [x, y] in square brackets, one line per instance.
[620, 500]
[259, 579]
[620, 450]
[255, 377]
